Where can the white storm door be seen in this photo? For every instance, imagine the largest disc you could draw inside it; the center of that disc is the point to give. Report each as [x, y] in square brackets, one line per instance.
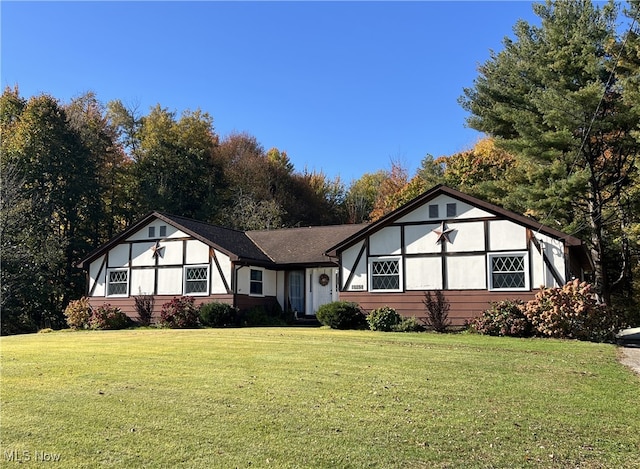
[321, 286]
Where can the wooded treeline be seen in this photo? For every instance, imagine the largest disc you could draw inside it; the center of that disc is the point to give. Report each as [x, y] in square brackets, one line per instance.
[560, 105]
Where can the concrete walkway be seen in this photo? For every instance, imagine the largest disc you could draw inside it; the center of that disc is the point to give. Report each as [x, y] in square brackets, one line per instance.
[630, 356]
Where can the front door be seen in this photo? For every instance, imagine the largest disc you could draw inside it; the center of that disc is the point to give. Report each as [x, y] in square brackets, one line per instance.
[321, 288]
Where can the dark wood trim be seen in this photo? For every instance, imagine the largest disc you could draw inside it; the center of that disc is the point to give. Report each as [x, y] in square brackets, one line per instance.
[93, 288]
[437, 221]
[212, 254]
[355, 266]
[547, 262]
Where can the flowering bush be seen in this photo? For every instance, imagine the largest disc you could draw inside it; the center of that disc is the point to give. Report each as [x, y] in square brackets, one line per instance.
[108, 317]
[180, 313]
[504, 318]
[383, 319]
[571, 312]
[78, 313]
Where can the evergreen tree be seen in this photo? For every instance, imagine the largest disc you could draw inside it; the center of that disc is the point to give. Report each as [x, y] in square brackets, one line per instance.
[554, 98]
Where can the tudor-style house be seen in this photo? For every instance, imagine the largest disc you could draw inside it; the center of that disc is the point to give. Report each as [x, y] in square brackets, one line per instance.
[472, 251]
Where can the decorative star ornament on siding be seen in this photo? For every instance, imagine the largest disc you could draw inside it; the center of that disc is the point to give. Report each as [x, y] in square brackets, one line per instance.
[443, 233]
[157, 249]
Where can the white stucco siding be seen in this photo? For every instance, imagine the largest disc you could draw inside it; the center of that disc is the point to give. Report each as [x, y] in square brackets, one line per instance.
[463, 211]
[119, 256]
[423, 273]
[171, 253]
[420, 239]
[217, 285]
[97, 277]
[170, 281]
[143, 233]
[197, 252]
[348, 259]
[142, 255]
[385, 242]
[142, 281]
[466, 273]
[506, 235]
[541, 274]
[466, 237]
[269, 281]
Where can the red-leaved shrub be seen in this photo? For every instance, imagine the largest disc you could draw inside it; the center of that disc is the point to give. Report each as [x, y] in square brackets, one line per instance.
[180, 313]
[108, 317]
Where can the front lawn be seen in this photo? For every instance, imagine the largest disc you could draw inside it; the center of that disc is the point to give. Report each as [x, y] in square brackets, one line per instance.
[295, 397]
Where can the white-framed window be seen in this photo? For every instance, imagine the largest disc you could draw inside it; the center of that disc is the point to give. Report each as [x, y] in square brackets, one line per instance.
[196, 279]
[508, 271]
[255, 282]
[385, 274]
[118, 282]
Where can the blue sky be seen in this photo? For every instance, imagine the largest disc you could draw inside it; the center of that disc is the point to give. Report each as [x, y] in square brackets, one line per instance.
[342, 87]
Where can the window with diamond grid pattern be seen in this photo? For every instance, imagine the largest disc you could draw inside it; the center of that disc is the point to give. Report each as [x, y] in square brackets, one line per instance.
[118, 282]
[196, 279]
[508, 272]
[385, 275]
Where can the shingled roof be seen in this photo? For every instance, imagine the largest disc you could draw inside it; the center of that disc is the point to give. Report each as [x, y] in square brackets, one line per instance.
[301, 245]
[286, 246]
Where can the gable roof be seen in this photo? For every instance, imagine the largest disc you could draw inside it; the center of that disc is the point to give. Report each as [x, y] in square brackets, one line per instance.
[263, 247]
[571, 241]
[231, 242]
[301, 245]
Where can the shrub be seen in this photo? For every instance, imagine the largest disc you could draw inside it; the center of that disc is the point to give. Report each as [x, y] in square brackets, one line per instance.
[383, 319]
[264, 316]
[437, 311]
[180, 313]
[570, 312]
[342, 315]
[78, 313]
[108, 317]
[218, 315]
[504, 318]
[144, 308]
[408, 325]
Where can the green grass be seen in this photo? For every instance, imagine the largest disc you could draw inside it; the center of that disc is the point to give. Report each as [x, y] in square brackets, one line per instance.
[285, 397]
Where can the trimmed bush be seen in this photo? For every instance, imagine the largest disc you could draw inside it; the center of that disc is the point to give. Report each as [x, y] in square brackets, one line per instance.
[437, 311]
[264, 316]
[383, 319]
[408, 325]
[504, 318]
[180, 313]
[342, 315]
[218, 315]
[78, 313]
[108, 317]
